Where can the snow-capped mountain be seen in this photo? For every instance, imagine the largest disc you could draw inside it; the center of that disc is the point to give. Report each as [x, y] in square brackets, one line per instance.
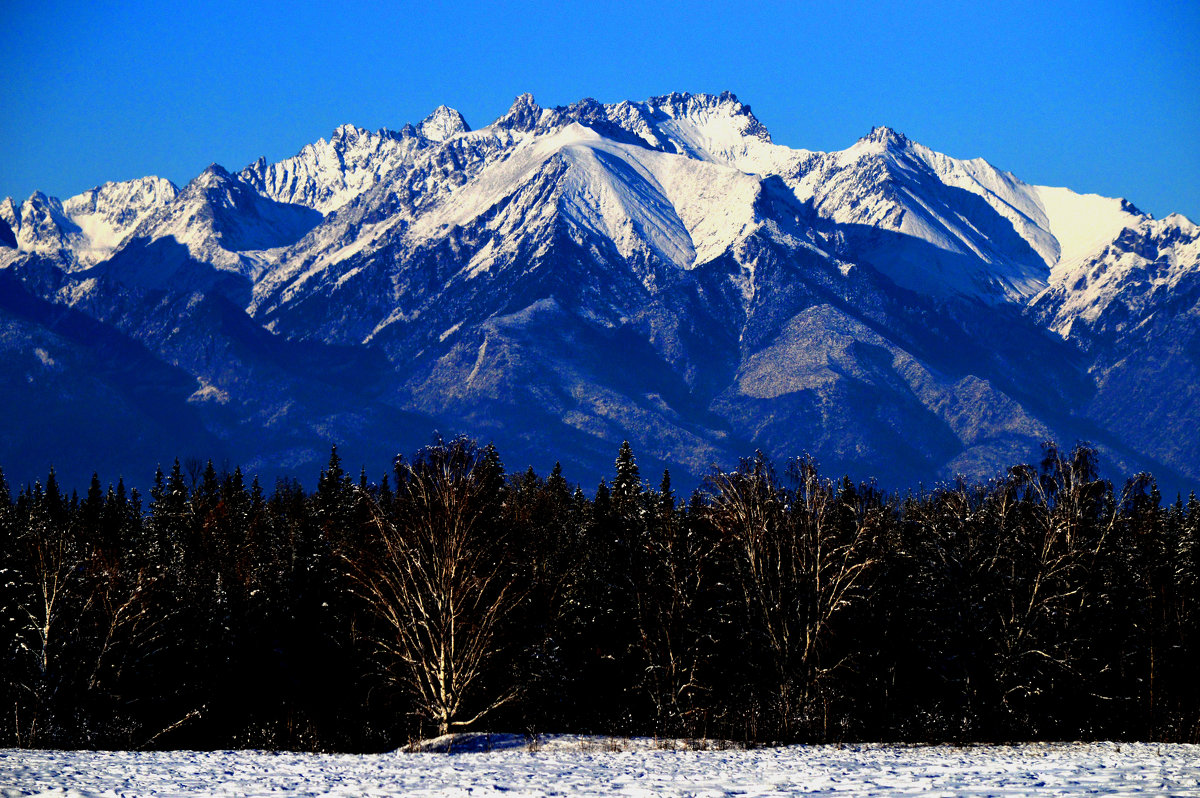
[217, 226]
[442, 124]
[564, 278]
[1110, 284]
[87, 228]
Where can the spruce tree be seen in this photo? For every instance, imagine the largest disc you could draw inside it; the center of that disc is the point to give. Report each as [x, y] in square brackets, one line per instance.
[627, 485]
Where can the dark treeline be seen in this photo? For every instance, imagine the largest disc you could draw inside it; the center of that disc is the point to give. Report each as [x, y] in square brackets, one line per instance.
[767, 606]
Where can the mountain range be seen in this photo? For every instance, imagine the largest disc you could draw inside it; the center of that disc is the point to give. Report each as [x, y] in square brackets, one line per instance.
[566, 278]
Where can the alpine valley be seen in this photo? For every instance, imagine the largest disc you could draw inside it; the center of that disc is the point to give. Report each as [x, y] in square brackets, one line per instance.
[563, 279]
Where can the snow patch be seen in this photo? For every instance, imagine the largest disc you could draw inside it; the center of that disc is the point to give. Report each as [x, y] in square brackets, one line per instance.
[44, 357]
[208, 393]
[1081, 223]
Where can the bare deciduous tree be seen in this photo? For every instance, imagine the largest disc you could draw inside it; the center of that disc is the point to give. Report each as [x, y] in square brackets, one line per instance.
[676, 613]
[437, 585]
[799, 568]
[1049, 563]
[130, 626]
[43, 603]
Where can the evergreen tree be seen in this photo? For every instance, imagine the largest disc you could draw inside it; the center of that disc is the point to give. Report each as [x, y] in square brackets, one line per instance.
[627, 485]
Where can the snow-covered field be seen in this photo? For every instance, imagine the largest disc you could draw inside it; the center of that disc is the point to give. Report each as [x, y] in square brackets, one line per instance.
[587, 766]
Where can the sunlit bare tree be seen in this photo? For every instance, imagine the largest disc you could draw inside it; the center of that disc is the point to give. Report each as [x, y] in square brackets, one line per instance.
[1051, 553]
[436, 583]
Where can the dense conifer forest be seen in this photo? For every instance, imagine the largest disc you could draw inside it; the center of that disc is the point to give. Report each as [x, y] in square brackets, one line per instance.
[769, 605]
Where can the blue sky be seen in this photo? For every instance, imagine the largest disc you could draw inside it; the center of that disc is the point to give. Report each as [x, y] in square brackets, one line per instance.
[1103, 97]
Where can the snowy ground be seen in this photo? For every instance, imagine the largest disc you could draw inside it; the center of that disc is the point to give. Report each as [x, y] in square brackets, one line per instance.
[582, 766]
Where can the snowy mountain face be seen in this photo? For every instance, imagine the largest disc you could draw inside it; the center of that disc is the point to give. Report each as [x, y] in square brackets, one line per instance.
[565, 278]
[218, 221]
[87, 228]
[1121, 278]
[442, 124]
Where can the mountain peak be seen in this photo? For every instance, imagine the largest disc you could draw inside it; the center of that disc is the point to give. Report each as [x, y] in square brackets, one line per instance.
[523, 115]
[1179, 220]
[347, 133]
[889, 138]
[443, 123]
[214, 175]
[698, 107]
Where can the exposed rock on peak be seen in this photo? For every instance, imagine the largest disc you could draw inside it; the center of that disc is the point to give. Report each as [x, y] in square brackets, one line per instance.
[8, 238]
[214, 173]
[522, 116]
[442, 124]
[347, 134]
[9, 211]
[890, 139]
[702, 108]
[1130, 208]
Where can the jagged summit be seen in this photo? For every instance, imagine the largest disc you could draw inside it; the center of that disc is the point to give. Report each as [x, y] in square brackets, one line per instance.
[886, 136]
[347, 134]
[112, 190]
[999, 249]
[522, 116]
[703, 109]
[442, 124]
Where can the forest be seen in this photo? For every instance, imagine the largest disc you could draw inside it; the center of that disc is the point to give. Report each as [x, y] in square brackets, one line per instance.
[769, 605]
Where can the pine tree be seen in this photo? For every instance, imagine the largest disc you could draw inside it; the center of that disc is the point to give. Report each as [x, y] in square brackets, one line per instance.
[90, 513]
[627, 485]
[556, 484]
[602, 504]
[666, 497]
[335, 501]
[491, 472]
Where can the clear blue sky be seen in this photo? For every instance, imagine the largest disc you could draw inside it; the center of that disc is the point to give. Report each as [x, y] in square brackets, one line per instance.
[1102, 97]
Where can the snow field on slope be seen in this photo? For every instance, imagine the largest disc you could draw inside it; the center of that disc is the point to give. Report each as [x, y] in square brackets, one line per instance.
[1088, 286]
[686, 211]
[1081, 223]
[107, 214]
[584, 766]
[1008, 196]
